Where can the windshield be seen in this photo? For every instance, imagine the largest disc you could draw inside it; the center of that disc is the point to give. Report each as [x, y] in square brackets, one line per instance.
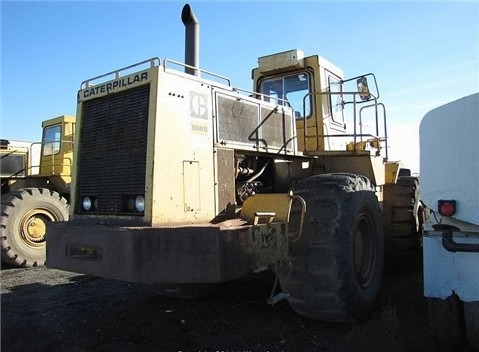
[289, 90]
[51, 140]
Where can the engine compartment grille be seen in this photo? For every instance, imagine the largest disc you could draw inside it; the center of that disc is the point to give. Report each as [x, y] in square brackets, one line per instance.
[112, 151]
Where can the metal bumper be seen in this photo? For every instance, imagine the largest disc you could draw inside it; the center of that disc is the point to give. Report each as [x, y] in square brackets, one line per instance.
[188, 254]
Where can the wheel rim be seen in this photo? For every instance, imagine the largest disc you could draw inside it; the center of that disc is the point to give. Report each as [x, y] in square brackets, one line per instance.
[364, 255]
[33, 226]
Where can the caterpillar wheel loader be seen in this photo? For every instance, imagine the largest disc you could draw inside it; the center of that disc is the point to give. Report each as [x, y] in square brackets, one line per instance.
[182, 180]
[35, 180]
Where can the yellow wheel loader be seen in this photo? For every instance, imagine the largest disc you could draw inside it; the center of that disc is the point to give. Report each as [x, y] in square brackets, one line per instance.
[35, 181]
[183, 180]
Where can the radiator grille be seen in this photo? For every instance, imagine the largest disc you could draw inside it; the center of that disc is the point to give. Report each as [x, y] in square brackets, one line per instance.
[276, 128]
[238, 120]
[113, 143]
[12, 164]
[247, 123]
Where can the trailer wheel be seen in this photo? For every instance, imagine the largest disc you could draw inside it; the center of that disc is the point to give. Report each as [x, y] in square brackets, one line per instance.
[25, 214]
[446, 319]
[471, 315]
[403, 222]
[336, 265]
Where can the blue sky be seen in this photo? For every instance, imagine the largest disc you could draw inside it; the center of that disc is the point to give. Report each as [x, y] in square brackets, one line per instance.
[424, 54]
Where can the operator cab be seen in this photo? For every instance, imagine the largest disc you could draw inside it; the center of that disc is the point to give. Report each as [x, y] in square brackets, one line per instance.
[56, 158]
[317, 92]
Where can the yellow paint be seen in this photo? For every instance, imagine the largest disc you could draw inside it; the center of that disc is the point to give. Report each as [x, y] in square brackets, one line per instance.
[391, 169]
[278, 204]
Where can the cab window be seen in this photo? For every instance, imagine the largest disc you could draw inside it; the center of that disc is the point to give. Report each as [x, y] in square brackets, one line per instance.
[335, 104]
[289, 90]
[51, 140]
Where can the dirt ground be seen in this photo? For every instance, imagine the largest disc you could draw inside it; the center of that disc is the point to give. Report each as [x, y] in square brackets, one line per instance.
[50, 310]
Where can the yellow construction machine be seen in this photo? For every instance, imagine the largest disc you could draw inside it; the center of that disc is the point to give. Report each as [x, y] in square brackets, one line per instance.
[35, 181]
[182, 180]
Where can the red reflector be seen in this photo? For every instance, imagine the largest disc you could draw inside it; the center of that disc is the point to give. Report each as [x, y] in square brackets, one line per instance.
[447, 208]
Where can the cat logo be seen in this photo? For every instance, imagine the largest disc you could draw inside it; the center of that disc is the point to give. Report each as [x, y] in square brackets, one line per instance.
[199, 105]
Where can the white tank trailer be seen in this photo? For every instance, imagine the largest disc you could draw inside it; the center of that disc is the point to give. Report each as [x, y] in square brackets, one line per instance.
[449, 172]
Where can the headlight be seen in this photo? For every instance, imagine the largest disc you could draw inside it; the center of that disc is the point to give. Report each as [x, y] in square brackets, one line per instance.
[140, 203]
[86, 203]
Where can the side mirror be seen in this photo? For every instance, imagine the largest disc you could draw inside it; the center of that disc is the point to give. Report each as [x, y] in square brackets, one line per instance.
[363, 88]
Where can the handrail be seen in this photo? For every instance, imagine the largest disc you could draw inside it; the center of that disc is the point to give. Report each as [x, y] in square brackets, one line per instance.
[377, 123]
[155, 61]
[355, 133]
[262, 97]
[303, 213]
[365, 75]
[152, 61]
[196, 68]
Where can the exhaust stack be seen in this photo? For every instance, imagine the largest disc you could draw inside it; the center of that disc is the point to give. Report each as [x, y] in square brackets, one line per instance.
[192, 39]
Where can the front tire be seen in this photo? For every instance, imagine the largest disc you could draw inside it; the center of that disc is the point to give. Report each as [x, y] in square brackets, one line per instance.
[25, 214]
[336, 265]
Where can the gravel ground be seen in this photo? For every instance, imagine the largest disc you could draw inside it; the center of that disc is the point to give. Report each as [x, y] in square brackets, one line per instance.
[50, 310]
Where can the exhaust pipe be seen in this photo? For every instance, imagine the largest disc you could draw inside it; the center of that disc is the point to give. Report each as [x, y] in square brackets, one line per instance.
[192, 40]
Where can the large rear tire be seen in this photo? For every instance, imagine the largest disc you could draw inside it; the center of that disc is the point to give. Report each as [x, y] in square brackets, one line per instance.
[336, 265]
[403, 222]
[25, 214]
